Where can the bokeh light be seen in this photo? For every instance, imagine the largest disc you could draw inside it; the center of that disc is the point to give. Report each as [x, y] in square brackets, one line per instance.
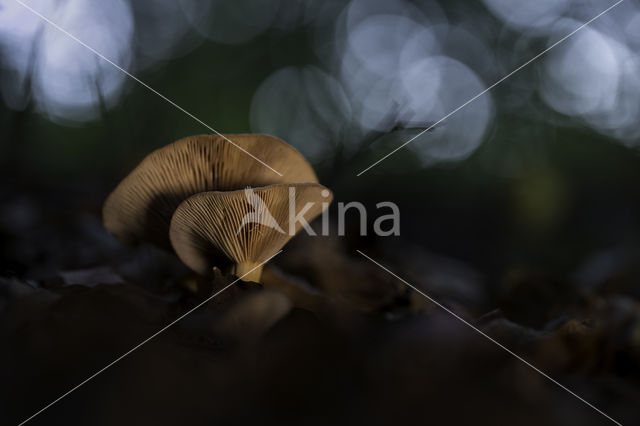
[68, 80]
[370, 66]
[397, 67]
[305, 106]
[594, 77]
[525, 14]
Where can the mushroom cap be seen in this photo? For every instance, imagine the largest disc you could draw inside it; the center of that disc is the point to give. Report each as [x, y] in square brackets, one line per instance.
[217, 228]
[140, 207]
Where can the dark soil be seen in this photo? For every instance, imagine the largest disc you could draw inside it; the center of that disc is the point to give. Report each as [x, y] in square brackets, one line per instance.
[328, 338]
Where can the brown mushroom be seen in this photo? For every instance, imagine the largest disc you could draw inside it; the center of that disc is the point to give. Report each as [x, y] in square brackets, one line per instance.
[243, 228]
[141, 206]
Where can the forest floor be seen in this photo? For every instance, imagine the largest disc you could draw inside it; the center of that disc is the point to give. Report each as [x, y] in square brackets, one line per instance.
[327, 338]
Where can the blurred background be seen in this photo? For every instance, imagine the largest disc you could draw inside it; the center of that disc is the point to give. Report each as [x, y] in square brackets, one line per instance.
[537, 181]
[544, 167]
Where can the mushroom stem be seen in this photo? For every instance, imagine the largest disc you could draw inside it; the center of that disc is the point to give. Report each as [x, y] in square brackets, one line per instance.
[252, 270]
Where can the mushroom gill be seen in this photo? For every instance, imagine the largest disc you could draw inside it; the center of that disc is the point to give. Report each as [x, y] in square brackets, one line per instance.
[243, 228]
[140, 208]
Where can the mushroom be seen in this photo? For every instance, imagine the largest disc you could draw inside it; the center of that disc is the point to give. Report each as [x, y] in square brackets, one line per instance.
[141, 206]
[243, 228]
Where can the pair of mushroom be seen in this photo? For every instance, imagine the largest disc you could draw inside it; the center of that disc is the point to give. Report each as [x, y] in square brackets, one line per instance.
[197, 196]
